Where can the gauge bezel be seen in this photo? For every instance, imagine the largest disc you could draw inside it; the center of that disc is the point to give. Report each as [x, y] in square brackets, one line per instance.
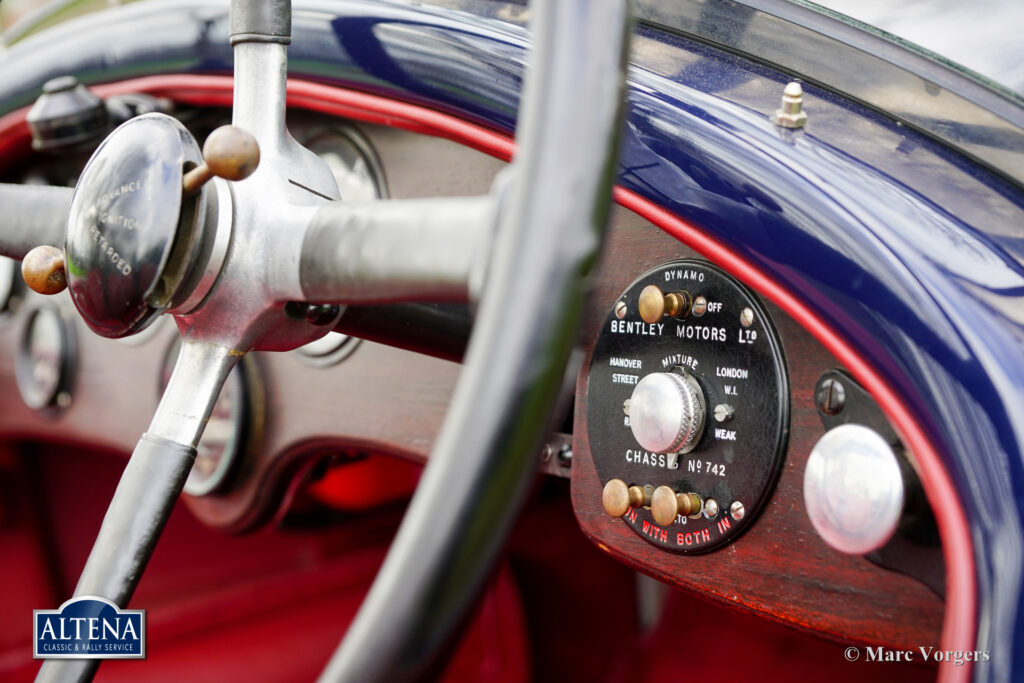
[46, 402]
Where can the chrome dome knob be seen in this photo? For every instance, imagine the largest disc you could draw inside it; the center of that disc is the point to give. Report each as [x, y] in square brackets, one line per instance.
[666, 412]
[854, 489]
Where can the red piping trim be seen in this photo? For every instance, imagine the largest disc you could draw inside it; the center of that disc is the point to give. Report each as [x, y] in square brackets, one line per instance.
[958, 628]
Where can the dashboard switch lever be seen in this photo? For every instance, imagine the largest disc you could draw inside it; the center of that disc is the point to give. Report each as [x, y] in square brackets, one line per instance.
[666, 505]
[653, 304]
[618, 498]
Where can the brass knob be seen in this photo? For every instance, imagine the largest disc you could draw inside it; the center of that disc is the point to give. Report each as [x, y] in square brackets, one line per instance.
[666, 504]
[43, 270]
[618, 498]
[615, 498]
[230, 153]
[654, 304]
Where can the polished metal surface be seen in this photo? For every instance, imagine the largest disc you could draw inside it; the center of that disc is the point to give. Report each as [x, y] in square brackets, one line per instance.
[131, 235]
[33, 215]
[221, 445]
[853, 489]
[387, 251]
[666, 412]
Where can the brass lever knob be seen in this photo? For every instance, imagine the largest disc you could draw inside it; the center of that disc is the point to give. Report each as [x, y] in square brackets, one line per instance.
[43, 270]
[653, 304]
[618, 498]
[230, 153]
[666, 504]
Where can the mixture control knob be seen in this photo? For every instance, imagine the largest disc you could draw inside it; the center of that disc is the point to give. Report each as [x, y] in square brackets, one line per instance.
[854, 489]
[666, 412]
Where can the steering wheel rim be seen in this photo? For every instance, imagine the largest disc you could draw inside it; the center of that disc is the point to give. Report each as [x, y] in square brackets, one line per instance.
[419, 598]
[552, 207]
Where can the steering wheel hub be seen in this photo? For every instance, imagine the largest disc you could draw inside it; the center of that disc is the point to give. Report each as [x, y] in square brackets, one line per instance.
[131, 233]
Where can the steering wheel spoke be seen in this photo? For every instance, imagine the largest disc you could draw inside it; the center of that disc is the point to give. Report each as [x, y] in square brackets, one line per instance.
[425, 250]
[149, 487]
[34, 215]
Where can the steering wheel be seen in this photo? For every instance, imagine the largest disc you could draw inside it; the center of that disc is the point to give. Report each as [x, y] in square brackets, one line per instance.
[249, 247]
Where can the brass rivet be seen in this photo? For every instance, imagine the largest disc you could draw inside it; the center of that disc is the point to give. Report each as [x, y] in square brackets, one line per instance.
[43, 270]
[615, 498]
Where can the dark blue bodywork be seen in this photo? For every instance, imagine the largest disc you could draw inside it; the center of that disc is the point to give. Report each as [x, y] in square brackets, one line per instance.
[911, 250]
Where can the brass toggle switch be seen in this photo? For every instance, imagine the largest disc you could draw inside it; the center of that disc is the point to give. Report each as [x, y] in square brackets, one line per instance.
[618, 498]
[666, 504]
[653, 304]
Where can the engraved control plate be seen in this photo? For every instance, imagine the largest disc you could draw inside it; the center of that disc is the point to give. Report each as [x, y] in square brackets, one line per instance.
[724, 341]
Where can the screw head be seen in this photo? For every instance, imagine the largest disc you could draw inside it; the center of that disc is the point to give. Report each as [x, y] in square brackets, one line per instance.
[747, 317]
[831, 396]
[724, 412]
[711, 508]
[620, 310]
[737, 510]
[700, 306]
[565, 455]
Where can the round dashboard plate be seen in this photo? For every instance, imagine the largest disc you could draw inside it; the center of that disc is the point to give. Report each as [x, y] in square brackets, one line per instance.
[725, 342]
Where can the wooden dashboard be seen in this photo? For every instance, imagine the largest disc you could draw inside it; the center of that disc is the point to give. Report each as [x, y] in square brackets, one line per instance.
[780, 566]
